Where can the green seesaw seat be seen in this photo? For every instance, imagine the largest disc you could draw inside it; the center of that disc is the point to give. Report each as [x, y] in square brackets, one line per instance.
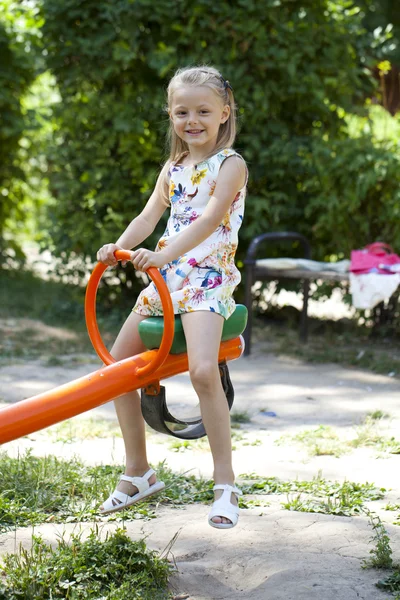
[151, 330]
[154, 403]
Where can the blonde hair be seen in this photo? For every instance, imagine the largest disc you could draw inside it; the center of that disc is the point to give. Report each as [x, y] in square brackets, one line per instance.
[211, 78]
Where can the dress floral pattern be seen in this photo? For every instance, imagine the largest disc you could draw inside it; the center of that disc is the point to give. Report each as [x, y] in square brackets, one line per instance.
[204, 278]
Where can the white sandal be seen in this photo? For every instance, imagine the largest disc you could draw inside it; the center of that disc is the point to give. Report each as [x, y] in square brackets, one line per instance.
[223, 507]
[118, 500]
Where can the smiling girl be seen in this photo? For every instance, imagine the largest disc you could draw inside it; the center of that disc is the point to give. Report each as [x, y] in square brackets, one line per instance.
[203, 184]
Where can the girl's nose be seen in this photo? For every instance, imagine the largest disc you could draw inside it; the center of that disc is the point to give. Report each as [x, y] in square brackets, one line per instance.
[192, 119]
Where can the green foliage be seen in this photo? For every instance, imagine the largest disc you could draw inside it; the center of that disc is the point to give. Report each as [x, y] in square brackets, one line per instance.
[16, 74]
[298, 68]
[318, 495]
[34, 490]
[384, 15]
[293, 76]
[354, 193]
[346, 499]
[113, 568]
[381, 554]
[391, 583]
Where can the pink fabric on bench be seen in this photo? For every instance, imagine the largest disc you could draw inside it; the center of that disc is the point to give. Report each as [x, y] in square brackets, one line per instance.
[369, 259]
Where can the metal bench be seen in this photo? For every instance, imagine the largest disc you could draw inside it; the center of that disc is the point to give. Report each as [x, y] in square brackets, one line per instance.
[256, 271]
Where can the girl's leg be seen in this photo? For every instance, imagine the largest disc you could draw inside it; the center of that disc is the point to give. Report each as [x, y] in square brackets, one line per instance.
[128, 409]
[203, 337]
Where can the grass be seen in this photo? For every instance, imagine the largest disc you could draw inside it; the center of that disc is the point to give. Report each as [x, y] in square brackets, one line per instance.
[318, 495]
[80, 429]
[238, 438]
[324, 440]
[240, 416]
[115, 568]
[39, 490]
[49, 305]
[36, 490]
[57, 304]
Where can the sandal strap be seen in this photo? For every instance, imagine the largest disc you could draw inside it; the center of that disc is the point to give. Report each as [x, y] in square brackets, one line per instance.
[227, 488]
[221, 510]
[142, 483]
[116, 495]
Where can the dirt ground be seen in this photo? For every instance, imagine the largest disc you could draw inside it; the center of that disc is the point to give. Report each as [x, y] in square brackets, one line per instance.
[273, 553]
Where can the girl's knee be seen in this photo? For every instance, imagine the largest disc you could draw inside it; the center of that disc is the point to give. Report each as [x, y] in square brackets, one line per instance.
[205, 375]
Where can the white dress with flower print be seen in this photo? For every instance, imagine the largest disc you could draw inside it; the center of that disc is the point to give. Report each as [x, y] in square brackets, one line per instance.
[204, 278]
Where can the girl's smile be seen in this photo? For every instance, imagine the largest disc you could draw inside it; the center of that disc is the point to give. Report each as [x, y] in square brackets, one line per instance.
[194, 131]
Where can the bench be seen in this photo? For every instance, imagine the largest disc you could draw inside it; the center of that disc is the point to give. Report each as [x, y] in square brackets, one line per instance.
[264, 270]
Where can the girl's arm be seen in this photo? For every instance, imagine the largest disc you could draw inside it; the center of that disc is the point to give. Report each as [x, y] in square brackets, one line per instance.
[144, 224]
[231, 178]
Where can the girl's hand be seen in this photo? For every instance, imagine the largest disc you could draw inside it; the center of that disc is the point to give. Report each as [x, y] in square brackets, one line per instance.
[106, 255]
[142, 259]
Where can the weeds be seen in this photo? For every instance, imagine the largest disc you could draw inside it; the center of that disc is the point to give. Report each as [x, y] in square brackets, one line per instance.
[381, 556]
[35, 490]
[346, 499]
[73, 430]
[317, 496]
[382, 553]
[319, 442]
[325, 441]
[240, 417]
[117, 567]
[377, 415]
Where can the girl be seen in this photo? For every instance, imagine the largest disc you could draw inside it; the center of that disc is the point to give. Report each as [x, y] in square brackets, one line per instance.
[203, 183]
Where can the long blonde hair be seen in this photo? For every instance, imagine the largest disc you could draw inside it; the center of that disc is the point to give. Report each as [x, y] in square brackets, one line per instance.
[212, 78]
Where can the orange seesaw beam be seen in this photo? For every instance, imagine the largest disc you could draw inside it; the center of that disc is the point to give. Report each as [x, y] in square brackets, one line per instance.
[93, 390]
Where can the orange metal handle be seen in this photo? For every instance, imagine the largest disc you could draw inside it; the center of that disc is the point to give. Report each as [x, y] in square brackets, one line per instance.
[91, 322]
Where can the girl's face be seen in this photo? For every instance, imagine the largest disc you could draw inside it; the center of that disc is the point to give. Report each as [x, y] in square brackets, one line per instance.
[197, 113]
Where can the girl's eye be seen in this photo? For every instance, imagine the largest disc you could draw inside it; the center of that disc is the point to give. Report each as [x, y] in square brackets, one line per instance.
[204, 112]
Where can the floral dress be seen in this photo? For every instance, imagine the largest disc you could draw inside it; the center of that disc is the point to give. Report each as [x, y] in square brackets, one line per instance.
[204, 278]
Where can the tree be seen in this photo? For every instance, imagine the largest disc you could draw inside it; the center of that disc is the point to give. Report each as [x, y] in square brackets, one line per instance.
[18, 35]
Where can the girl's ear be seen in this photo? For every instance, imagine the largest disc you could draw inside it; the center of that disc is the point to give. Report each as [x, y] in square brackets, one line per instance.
[225, 113]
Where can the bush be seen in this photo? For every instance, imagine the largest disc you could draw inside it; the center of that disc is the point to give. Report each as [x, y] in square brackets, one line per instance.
[296, 67]
[16, 74]
[354, 194]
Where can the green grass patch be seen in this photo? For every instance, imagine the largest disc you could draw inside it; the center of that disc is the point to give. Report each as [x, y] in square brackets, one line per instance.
[316, 496]
[377, 415]
[240, 417]
[36, 490]
[324, 440]
[78, 429]
[115, 568]
[23, 295]
[238, 438]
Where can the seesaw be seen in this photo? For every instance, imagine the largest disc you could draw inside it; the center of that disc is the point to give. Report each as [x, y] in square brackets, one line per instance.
[166, 356]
